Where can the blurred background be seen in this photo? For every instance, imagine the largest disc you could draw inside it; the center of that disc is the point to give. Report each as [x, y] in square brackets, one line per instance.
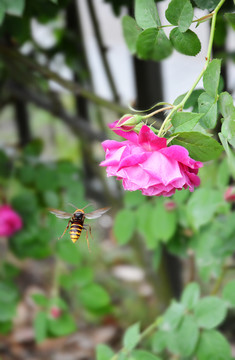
[66, 73]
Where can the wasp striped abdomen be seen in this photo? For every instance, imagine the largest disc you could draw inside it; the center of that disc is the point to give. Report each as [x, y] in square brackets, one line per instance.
[75, 230]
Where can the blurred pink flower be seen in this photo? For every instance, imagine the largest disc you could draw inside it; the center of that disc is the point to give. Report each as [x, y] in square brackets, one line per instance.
[145, 163]
[170, 205]
[10, 221]
[55, 312]
[229, 194]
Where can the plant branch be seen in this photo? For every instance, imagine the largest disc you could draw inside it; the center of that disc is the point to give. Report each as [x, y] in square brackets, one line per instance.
[182, 103]
[79, 126]
[102, 50]
[142, 336]
[8, 53]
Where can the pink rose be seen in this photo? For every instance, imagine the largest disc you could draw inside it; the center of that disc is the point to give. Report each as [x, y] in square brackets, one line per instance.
[10, 221]
[144, 162]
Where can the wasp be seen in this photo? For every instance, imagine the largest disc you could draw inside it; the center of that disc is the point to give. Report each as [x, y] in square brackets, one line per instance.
[76, 221]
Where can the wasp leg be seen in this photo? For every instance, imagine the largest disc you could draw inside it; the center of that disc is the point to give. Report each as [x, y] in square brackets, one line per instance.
[65, 229]
[89, 227]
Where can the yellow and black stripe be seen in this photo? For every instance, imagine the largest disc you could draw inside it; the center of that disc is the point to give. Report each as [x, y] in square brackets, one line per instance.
[75, 230]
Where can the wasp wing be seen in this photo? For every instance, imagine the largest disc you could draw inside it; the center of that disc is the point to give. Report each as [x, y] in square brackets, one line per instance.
[60, 214]
[97, 213]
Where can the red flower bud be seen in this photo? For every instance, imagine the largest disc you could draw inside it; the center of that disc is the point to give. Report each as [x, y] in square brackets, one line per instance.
[126, 123]
[170, 205]
[55, 312]
[229, 194]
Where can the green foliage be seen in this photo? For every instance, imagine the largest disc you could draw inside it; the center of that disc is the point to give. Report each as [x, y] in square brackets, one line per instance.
[93, 297]
[131, 337]
[208, 106]
[206, 4]
[124, 226]
[211, 78]
[180, 13]
[229, 293]
[210, 312]
[103, 352]
[186, 43]
[200, 147]
[212, 345]
[146, 14]
[190, 296]
[153, 44]
[184, 121]
[131, 32]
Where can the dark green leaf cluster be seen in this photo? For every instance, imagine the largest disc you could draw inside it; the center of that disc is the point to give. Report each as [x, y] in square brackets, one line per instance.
[146, 38]
[187, 328]
[37, 186]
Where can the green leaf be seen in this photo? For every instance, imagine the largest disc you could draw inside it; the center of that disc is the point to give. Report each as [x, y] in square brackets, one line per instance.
[163, 222]
[5, 328]
[172, 317]
[143, 355]
[208, 106]
[40, 300]
[230, 17]
[180, 13]
[201, 147]
[185, 121]
[207, 4]
[40, 326]
[184, 339]
[133, 198]
[227, 109]
[58, 302]
[186, 43]
[34, 148]
[213, 346]
[63, 325]
[203, 206]
[229, 152]
[103, 352]
[210, 312]
[229, 292]
[131, 32]
[191, 295]
[124, 226]
[144, 223]
[152, 44]
[93, 297]
[7, 310]
[68, 252]
[146, 14]
[46, 178]
[131, 336]
[15, 7]
[3, 7]
[8, 292]
[79, 277]
[159, 341]
[192, 100]
[223, 174]
[211, 78]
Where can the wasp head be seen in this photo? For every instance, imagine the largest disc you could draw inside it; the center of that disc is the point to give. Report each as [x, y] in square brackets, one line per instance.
[78, 215]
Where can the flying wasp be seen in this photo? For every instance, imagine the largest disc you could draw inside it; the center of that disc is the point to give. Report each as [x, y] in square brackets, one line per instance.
[76, 220]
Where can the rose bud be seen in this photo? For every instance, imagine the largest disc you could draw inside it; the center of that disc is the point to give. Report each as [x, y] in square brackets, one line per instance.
[55, 312]
[229, 194]
[170, 205]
